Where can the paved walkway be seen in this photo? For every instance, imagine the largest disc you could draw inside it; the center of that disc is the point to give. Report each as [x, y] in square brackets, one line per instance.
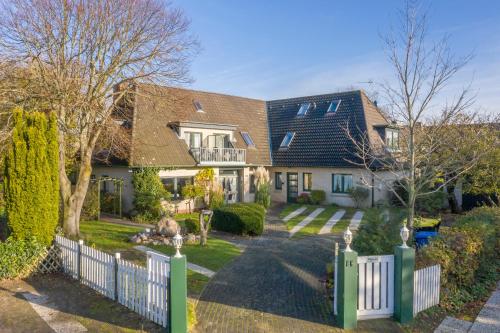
[306, 221]
[275, 286]
[331, 222]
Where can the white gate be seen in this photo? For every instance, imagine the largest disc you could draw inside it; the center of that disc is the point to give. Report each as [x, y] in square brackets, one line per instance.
[426, 283]
[375, 287]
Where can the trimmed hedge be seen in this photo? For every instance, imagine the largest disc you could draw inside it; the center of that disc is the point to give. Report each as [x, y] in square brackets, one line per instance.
[18, 257]
[192, 226]
[318, 197]
[240, 218]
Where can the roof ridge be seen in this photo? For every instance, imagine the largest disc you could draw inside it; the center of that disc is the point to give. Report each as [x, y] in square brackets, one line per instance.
[317, 95]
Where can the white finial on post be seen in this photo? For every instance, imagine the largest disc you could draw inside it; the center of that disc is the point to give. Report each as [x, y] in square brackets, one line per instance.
[177, 240]
[405, 234]
[348, 239]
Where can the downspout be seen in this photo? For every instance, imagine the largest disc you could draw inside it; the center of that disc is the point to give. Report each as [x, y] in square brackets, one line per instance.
[373, 190]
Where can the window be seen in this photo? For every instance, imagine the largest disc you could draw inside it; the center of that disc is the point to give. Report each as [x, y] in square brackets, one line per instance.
[252, 184]
[218, 141]
[287, 140]
[304, 107]
[341, 183]
[174, 185]
[334, 105]
[307, 181]
[248, 139]
[392, 139]
[278, 181]
[197, 106]
[193, 139]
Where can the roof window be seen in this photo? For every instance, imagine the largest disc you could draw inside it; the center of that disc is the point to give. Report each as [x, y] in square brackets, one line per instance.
[304, 107]
[334, 105]
[287, 140]
[198, 106]
[248, 139]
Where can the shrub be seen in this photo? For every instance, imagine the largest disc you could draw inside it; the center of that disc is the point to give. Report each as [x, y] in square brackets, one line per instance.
[216, 196]
[148, 194]
[241, 218]
[18, 257]
[192, 226]
[263, 195]
[359, 195]
[430, 203]
[468, 255]
[304, 198]
[318, 197]
[32, 177]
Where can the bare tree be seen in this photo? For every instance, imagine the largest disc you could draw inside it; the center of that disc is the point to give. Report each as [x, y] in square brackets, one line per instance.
[416, 159]
[76, 53]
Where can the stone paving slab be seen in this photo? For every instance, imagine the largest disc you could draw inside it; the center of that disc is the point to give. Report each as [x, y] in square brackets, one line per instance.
[331, 222]
[306, 221]
[296, 212]
[356, 220]
[453, 325]
[196, 268]
[488, 319]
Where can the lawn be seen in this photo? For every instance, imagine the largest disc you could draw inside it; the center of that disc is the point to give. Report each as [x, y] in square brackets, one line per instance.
[113, 238]
[316, 224]
[294, 221]
[288, 209]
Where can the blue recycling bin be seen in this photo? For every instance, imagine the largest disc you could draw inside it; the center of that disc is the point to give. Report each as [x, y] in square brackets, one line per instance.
[422, 237]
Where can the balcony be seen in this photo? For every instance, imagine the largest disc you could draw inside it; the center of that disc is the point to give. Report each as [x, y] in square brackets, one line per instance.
[219, 156]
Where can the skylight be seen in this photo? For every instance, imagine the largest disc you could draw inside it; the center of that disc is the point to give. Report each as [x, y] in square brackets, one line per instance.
[198, 106]
[287, 140]
[304, 107]
[334, 105]
[248, 139]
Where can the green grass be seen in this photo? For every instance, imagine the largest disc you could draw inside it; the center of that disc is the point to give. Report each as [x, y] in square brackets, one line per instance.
[184, 216]
[297, 219]
[314, 227]
[342, 224]
[288, 209]
[214, 256]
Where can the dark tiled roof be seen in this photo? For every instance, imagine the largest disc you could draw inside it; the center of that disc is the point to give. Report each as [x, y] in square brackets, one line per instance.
[154, 143]
[321, 139]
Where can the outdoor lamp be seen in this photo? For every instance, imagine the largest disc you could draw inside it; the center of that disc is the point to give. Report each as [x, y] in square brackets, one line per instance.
[405, 234]
[177, 240]
[347, 239]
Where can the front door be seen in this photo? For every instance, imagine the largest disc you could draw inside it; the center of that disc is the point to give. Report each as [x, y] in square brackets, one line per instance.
[292, 186]
[229, 182]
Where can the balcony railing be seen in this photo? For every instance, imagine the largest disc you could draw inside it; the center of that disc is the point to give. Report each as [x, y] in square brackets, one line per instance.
[219, 156]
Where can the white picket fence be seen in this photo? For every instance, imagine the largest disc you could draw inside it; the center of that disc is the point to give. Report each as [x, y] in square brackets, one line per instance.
[426, 282]
[141, 289]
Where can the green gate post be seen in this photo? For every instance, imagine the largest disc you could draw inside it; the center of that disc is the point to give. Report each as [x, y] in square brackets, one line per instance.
[178, 290]
[404, 266]
[347, 303]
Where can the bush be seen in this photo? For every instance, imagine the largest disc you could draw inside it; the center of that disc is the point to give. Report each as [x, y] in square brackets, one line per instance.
[318, 197]
[240, 218]
[18, 257]
[469, 257]
[431, 203]
[304, 198]
[192, 226]
[263, 195]
[359, 195]
[32, 177]
[148, 194]
[216, 197]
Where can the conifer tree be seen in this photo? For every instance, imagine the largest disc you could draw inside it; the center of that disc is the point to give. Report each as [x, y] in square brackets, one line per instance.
[31, 177]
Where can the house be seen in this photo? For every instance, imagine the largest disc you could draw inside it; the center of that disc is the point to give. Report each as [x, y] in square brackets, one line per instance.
[302, 141]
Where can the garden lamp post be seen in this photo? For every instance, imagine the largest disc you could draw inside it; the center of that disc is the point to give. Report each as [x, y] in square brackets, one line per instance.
[405, 234]
[177, 240]
[348, 239]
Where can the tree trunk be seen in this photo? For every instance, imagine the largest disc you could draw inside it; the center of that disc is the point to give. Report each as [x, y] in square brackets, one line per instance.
[203, 236]
[204, 226]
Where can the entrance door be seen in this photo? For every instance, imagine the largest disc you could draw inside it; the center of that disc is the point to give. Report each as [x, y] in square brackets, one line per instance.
[292, 186]
[229, 182]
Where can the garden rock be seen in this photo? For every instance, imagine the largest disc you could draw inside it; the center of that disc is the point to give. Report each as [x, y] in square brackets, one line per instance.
[136, 239]
[167, 227]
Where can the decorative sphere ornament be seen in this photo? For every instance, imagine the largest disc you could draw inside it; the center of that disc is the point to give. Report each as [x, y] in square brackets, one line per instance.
[348, 239]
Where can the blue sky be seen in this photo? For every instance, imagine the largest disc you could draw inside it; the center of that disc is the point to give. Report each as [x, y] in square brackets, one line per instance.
[278, 49]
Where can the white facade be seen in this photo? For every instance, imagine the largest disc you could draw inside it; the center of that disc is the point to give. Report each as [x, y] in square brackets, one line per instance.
[322, 180]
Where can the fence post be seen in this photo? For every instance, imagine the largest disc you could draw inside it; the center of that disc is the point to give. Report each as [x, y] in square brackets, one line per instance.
[79, 260]
[178, 294]
[117, 257]
[347, 285]
[404, 266]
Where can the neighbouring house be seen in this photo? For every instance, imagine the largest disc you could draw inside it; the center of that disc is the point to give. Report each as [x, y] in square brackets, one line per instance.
[302, 141]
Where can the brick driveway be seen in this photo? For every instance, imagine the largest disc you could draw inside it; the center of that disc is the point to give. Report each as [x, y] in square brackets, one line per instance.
[274, 286]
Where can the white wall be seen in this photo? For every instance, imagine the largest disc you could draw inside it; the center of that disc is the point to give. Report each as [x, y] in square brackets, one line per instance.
[322, 180]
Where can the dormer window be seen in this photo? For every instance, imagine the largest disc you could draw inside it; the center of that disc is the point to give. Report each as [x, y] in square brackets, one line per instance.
[392, 138]
[287, 140]
[248, 139]
[333, 107]
[197, 106]
[304, 107]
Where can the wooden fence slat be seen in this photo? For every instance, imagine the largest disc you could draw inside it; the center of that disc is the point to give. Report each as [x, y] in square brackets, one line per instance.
[426, 288]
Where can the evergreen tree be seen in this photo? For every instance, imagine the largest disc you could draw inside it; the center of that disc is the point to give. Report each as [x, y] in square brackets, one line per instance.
[31, 177]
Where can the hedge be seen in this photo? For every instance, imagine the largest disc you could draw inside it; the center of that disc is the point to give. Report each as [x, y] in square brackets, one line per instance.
[240, 218]
[18, 257]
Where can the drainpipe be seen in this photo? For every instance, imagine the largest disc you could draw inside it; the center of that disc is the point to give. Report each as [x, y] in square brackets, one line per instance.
[373, 191]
